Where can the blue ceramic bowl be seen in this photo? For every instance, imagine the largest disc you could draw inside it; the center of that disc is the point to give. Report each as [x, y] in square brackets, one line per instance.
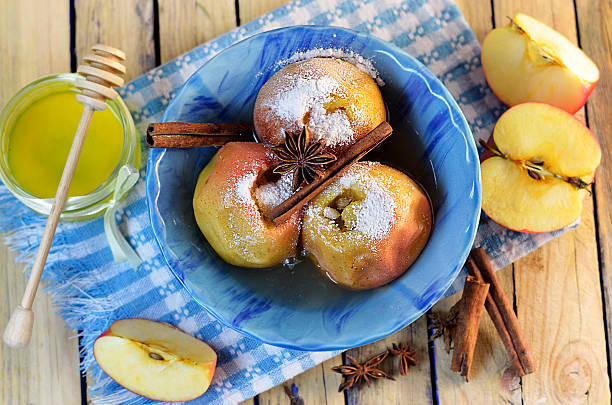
[298, 308]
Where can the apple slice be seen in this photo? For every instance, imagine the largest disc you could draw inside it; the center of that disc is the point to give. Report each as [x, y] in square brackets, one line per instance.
[529, 61]
[543, 164]
[155, 360]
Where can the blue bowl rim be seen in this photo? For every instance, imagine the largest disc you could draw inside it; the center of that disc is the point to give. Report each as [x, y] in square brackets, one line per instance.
[466, 131]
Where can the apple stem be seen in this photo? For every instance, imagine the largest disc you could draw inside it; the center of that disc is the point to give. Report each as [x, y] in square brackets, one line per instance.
[536, 170]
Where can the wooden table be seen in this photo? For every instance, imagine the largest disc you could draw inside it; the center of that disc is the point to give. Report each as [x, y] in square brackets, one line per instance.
[562, 292]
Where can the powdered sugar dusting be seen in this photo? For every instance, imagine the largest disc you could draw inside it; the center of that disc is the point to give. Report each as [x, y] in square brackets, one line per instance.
[238, 192]
[336, 126]
[365, 65]
[299, 96]
[270, 195]
[241, 192]
[305, 96]
[367, 219]
[374, 215]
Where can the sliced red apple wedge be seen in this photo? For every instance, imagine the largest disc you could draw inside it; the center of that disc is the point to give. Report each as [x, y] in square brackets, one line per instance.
[155, 360]
[529, 61]
[543, 164]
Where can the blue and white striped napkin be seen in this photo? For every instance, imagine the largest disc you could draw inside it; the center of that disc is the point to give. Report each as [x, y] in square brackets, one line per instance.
[90, 290]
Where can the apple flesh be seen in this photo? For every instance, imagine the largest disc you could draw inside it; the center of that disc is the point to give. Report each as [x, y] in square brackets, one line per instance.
[155, 360]
[529, 61]
[545, 160]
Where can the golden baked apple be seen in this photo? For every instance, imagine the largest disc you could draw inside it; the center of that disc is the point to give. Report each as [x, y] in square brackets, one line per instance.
[335, 99]
[230, 197]
[368, 226]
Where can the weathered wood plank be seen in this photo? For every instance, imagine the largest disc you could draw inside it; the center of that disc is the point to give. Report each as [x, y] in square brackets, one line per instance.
[127, 25]
[558, 297]
[250, 9]
[47, 371]
[318, 385]
[478, 14]
[595, 32]
[186, 24]
[414, 388]
[557, 288]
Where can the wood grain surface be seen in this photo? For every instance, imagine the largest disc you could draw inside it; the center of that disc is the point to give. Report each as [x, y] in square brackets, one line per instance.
[594, 20]
[562, 292]
[186, 24]
[47, 371]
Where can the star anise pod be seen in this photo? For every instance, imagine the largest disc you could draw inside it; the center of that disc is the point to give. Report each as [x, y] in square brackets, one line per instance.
[302, 157]
[443, 325]
[357, 373]
[406, 355]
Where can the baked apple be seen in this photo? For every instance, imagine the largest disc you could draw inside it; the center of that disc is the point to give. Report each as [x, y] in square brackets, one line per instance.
[231, 196]
[338, 102]
[368, 226]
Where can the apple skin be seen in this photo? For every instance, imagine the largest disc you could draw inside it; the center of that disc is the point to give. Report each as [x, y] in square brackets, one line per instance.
[516, 71]
[209, 369]
[347, 258]
[239, 231]
[575, 105]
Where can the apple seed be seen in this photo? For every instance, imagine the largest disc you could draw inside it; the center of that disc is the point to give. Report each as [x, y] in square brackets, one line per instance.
[155, 356]
[535, 170]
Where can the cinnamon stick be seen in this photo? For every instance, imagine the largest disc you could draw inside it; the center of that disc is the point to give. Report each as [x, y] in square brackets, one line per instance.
[470, 308]
[191, 135]
[355, 152]
[502, 314]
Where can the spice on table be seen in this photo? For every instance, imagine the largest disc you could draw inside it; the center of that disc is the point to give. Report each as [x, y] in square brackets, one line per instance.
[192, 135]
[406, 355]
[502, 314]
[444, 325]
[469, 312]
[358, 373]
[355, 152]
[302, 157]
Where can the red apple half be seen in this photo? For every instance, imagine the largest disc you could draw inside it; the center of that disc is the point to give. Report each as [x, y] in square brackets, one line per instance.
[529, 61]
[155, 360]
[544, 161]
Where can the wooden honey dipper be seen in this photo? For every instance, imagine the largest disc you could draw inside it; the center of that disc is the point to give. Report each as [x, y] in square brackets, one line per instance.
[102, 72]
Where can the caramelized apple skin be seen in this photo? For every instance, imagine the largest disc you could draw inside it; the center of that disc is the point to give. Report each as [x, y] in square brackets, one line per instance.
[357, 96]
[351, 258]
[230, 218]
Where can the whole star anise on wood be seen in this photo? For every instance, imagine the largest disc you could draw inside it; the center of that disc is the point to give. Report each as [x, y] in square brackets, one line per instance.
[357, 373]
[443, 325]
[302, 157]
[406, 355]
